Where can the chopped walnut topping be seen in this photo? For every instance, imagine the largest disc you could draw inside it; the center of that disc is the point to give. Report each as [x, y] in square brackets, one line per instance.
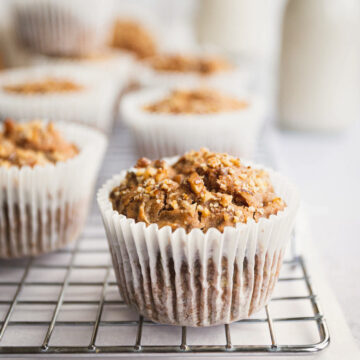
[131, 36]
[46, 86]
[196, 183]
[180, 63]
[199, 101]
[33, 143]
[201, 190]
[143, 162]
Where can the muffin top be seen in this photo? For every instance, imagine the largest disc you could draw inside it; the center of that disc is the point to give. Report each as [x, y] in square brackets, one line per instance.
[197, 101]
[33, 143]
[131, 36]
[201, 190]
[46, 86]
[181, 63]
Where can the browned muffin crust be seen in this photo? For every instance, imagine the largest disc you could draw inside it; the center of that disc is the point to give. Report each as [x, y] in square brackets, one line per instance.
[198, 101]
[33, 143]
[201, 190]
[131, 36]
[46, 86]
[181, 63]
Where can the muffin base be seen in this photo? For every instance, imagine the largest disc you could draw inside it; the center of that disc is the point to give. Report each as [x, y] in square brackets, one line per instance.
[30, 232]
[212, 296]
[196, 278]
[63, 28]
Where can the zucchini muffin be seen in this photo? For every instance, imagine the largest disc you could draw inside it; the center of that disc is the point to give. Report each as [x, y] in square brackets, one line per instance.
[197, 240]
[47, 174]
[59, 93]
[166, 122]
[131, 36]
[62, 28]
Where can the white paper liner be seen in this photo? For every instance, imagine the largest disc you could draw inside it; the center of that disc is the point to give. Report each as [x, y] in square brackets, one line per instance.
[66, 27]
[198, 279]
[159, 135]
[93, 105]
[113, 63]
[44, 208]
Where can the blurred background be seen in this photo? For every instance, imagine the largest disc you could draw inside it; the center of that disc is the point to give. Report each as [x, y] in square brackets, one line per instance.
[302, 57]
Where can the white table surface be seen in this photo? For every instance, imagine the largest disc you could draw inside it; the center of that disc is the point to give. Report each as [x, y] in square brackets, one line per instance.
[326, 168]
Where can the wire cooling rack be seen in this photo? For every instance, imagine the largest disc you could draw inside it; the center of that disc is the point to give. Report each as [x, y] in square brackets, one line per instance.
[68, 303]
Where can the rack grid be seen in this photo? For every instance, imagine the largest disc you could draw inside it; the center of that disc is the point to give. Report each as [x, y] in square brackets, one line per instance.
[68, 303]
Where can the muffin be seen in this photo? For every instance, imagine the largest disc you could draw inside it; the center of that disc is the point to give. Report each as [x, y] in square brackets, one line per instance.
[66, 93]
[166, 122]
[197, 240]
[62, 28]
[175, 69]
[47, 175]
[114, 65]
[129, 35]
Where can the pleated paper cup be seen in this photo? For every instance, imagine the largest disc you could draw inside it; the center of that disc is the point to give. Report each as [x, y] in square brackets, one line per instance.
[63, 28]
[44, 208]
[158, 135]
[198, 279]
[93, 105]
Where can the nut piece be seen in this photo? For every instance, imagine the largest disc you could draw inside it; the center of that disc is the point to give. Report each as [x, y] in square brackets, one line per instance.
[196, 183]
[143, 162]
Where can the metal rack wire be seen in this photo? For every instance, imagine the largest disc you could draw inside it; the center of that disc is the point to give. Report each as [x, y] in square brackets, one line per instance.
[49, 283]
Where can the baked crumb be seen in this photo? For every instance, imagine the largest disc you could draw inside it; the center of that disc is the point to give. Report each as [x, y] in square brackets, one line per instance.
[46, 86]
[181, 63]
[201, 190]
[33, 143]
[198, 101]
[131, 36]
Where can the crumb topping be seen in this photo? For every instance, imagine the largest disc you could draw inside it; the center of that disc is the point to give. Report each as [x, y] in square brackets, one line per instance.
[33, 143]
[182, 63]
[201, 190]
[46, 86]
[131, 36]
[198, 101]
